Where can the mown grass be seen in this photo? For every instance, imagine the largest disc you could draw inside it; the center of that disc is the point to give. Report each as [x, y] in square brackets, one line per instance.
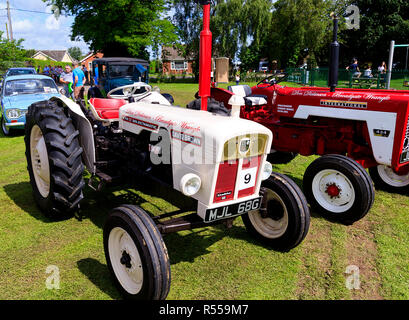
[207, 263]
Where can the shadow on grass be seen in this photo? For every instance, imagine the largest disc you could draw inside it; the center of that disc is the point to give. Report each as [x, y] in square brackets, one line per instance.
[99, 275]
[21, 194]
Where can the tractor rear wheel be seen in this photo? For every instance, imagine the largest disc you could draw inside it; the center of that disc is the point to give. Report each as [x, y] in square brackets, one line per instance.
[136, 254]
[54, 159]
[284, 219]
[338, 188]
[385, 179]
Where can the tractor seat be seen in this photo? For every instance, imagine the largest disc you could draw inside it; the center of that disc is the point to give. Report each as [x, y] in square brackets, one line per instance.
[249, 98]
[106, 109]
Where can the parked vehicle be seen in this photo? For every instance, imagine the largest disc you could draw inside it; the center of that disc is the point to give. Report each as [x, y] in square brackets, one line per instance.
[111, 73]
[216, 159]
[17, 72]
[18, 93]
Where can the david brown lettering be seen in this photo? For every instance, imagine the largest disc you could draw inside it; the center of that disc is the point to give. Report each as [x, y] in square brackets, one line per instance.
[187, 311]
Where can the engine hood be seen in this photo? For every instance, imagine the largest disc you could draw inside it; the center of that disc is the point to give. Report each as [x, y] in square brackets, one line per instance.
[23, 101]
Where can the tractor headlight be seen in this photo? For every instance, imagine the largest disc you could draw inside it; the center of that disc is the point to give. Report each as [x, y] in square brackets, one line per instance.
[13, 113]
[267, 170]
[190, 184]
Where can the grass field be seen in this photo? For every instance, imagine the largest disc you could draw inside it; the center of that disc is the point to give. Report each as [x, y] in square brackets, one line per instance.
[208, 263]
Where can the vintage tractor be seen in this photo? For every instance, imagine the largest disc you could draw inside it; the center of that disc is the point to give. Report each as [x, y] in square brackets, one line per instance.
[351, 129]
[215, 159]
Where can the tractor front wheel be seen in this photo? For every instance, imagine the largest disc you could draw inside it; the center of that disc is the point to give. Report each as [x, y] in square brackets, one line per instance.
[386, 179]
[136, 254]
[284, 218]
[338, 188]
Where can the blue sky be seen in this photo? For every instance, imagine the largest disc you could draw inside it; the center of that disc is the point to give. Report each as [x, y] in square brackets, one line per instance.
[40, 31]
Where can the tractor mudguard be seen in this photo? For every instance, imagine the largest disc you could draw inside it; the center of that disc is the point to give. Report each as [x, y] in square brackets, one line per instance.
[85, 129]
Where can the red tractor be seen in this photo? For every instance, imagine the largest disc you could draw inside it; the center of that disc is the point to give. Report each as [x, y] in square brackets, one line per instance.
[371, 127]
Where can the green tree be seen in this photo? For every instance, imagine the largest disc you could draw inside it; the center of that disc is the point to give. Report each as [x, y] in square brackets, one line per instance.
[380, 22]
[119, 27]
[75, 52]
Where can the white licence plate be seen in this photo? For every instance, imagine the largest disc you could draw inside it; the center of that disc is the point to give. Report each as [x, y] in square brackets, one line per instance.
[232, 210]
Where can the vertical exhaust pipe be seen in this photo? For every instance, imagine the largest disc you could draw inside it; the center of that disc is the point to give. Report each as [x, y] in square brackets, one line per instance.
[205, 56]
[334, 57]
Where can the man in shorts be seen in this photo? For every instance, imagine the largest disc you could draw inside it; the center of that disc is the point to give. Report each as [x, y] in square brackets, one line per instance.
[78, 80]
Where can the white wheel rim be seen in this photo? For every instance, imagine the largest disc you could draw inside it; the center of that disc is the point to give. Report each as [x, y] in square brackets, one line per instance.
[333, 191]
[39, 161]
[268, 227]
[391, 178]
[120, 245]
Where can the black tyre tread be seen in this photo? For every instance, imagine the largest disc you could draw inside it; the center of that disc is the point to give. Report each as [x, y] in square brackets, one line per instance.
[303, 201]
[154, 242]
[65, 157]
[382, 185]
[300, 202]
[368, 191]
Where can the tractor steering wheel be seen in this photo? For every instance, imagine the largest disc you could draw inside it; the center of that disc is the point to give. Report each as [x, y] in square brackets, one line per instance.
[272, 80]
[129, 91]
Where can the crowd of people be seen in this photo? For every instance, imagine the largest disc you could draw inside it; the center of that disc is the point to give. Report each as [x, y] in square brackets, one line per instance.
[354, 68]
[73, 78]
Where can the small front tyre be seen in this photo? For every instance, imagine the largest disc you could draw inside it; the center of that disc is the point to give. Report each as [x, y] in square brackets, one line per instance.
[284, 219]
[136, 254]
[338, 188]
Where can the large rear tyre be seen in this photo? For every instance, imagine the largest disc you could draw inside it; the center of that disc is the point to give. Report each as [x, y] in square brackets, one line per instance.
[284, 219]
[338, 188]
[136, 254]
[54, 159]
[385, 179]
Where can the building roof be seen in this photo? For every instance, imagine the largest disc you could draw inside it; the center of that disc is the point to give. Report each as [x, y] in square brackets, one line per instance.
[172, 53]
[56, 55]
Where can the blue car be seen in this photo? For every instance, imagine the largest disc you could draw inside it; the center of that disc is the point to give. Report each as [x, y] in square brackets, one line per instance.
[18, 93]
[19, 71]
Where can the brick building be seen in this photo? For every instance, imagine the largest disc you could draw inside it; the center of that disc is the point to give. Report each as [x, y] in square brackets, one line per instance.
[173, 62]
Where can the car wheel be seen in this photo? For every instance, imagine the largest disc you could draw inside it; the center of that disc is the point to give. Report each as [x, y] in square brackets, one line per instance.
[4, 129]
[136, 254]
[284, 219]
[54, 159]
[338, 188]
[386, 179]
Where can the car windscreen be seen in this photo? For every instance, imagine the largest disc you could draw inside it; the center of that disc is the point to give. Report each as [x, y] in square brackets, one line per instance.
[19, 72]
[30, 86]
[121, 71]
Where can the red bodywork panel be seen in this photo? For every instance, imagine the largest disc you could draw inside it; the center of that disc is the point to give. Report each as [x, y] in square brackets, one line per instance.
[326, 135]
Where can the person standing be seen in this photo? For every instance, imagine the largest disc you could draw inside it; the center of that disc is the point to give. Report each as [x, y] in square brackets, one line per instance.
[85, 70]
[66, 79]
[78, 80]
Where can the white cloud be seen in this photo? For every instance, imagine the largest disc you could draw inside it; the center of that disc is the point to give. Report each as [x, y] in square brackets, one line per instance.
[22, 26]
[51, 23]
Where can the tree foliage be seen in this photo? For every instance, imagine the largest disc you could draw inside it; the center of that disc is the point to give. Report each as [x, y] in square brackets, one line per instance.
[75, 52]
[381, 21]
[11, 50]
[119, 27]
